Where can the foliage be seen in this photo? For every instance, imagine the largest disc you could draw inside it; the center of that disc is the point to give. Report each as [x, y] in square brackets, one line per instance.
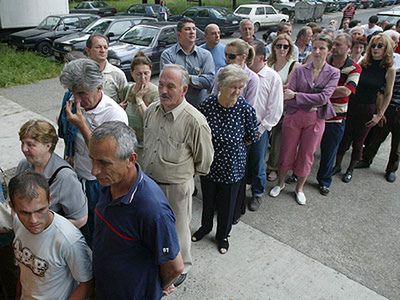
[21, 67]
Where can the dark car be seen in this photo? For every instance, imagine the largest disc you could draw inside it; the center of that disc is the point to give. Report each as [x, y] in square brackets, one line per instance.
[41, 38]
[112, 27]
[203, 15]
[94, 7]
[331, 5]
[152, 39]
[145, 10]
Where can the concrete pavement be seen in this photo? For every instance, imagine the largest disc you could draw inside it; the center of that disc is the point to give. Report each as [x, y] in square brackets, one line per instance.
[344, 246]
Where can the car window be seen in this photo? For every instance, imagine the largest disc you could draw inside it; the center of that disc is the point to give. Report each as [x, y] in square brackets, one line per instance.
[220, 11]
[190, 13]
[72, 23]
[142, 36]
[168, 36]
[80, 5]
[119, 28]
[137, 9]
[99, 4]
[49, 23]
[99, 26]
[270, 11]
[243, 11]
[260, 11]
[203, 13]
[85, 21]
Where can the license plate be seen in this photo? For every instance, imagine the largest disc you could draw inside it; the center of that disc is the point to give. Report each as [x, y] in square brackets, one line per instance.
[235, 22]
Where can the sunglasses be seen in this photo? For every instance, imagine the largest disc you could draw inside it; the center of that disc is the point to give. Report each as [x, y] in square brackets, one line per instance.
[377, 46]
[231, 55]
[282, 46]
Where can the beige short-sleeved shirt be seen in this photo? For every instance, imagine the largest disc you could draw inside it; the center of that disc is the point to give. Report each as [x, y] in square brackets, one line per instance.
[114, 82]
[177, 144]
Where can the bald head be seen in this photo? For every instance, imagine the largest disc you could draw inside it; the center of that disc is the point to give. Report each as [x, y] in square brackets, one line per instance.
[212, 35]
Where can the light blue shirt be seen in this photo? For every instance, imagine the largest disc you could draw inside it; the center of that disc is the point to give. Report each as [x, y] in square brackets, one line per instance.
[200, 65]
[218, 54]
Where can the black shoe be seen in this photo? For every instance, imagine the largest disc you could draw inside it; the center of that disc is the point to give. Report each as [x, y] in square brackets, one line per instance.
[235, 221]
[324, 190]
[255, 203]
[390, 177]
[362, 164]
[223, 246]
[336, 170]
[199, 234]
[347, 177]
[180, 279]
[291, 179]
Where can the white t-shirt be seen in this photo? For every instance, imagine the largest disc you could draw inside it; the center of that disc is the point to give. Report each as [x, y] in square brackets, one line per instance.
[53, 261]
[106, 110]
[115, 82]
[368, 31]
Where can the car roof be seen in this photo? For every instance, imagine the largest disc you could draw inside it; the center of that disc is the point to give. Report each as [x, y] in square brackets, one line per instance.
[390, 12]
[159, 24]
[126, 17]
[215, 7]
[254, 5]
[72, 15]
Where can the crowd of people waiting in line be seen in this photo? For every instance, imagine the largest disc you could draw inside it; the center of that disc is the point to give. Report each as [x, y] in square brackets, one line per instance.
[117, 208]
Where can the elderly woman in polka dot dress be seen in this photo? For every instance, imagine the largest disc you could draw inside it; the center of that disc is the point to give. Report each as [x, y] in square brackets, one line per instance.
[233, 125]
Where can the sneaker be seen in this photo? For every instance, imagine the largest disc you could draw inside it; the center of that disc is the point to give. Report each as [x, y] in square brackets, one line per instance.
[291, 179]
[276, 190]
[390, 177]
[362, 164]
[255, 203]
[323, 190]
[300, 198]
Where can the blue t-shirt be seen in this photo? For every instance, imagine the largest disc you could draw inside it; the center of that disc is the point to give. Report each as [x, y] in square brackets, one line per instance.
[218, 54]
[133, 236]
[231, 129]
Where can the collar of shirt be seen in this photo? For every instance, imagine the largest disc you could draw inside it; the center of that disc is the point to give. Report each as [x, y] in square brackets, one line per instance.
[176, 111]
[347, 63]
[128, 198]
[108, 68]
[179, 48]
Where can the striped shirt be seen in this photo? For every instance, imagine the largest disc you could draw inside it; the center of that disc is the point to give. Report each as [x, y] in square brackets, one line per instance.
[349, 76]
[396, 90]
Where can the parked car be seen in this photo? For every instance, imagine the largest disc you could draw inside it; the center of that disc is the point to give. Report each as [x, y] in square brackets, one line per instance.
[152, 39]
[204, 15]
[343, 3]
[112, 27]
[51, 28]
[331, 5]
[94, 7]
[388, 2]
[262, 15]
[391, 16]
[145, 10]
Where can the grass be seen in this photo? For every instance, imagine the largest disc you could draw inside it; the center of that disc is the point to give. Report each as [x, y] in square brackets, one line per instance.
[22, 67]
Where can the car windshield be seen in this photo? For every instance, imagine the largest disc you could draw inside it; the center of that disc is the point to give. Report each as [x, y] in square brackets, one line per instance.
[142, 36]
[100, 26]
[243, 11]
[49, 23]
[99, 4]
[221, 12]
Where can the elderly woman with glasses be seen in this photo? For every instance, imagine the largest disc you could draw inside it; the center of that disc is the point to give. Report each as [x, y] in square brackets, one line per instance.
[38, 141]
[233, 126]
[307, 106]
[283, 62]
[377, 76]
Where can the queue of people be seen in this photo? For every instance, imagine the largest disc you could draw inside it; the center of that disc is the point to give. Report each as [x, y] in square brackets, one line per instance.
[116, 217]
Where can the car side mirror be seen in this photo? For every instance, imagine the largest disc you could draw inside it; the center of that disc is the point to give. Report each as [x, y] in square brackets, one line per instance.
[111, 34]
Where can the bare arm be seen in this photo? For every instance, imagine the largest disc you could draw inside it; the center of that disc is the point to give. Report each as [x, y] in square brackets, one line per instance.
[78, 120]
[83, 291]
[170, 271]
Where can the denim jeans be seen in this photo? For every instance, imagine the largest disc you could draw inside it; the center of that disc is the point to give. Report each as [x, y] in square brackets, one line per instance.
[256, 164]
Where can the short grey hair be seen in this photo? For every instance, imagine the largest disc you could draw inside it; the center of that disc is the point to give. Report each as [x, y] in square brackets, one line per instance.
[124, 136]
[185, 75]
[231, 73]
[355, 28]
[82, 73]
[393, 34]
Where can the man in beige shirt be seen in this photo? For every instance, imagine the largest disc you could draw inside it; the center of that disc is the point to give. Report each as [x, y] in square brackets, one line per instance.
[177, 146]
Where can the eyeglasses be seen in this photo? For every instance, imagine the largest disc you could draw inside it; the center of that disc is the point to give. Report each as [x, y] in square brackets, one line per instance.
[282, 46]
[377, 46]
[231, 55]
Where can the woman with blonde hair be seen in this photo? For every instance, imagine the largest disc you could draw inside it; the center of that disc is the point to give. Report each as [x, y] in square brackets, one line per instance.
[38, 141]
[282, 61]
[377, 77]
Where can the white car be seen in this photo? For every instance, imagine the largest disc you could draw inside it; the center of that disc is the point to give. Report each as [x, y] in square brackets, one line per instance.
[261, 15]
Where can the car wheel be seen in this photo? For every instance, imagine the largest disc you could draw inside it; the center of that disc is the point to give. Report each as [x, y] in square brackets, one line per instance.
[256, 27]
[44, 48]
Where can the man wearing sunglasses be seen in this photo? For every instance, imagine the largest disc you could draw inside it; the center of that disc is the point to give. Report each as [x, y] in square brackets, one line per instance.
[197, 61]
[334, 128]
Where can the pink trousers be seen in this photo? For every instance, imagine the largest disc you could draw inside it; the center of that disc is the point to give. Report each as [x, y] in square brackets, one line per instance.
[301, 135]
